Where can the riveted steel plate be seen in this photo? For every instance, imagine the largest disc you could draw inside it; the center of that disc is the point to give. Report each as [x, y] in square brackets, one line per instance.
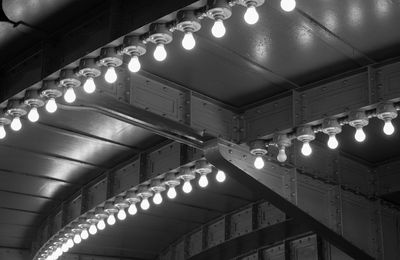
[241, 223]
[304, 248]
[274, 253]
[216, 233]
[268, 215]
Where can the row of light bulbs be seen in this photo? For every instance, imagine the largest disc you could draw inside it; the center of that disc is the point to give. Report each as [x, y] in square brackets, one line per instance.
[306, 134]
[103, 216]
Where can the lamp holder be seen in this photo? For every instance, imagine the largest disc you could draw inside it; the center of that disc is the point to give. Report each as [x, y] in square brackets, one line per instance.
[16, 108]
[68, 78]
[358, 119]
[186, 173]
[133, 46]
[121, 203]
[258, 147]
[144, 192]
[248, 3]
[305, 134]
[202, 167]
[110, 57]
[159, 34]
[157, 186]
[110, 208]
[171, 180]
[132, 197]
[5, 119]
[33, 99]
[88, 67]
[219, 9]
[51, 89]
[100, 213]
[331, 126]
[187, 21]
[282, 140]
[386, 111]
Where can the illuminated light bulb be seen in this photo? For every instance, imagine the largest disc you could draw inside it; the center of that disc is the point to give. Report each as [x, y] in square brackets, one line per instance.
[388, 128]
[333, 142]
[251, 15]
[288, 5]
[77, 239]
[359, 135]
[171, 192]
[282, 157]
[259, 163]
[220, 177]
[93, 229]
[70, 243]
[33, 115]
[121, 214]
[306, 149]
[145, 204]
[51, 105]
[218, 29]
[16, 124]
[188, 41]
[59, 252]
[157, 199]
[187, 187]
[2, 132]
[84, 234]
[160, 53]
[89, 86]
[132, 210]
[111, 75]
[111, 220]
[64, 248]
[203, 181]
[134, 64]
[69, 95]
[101, 225]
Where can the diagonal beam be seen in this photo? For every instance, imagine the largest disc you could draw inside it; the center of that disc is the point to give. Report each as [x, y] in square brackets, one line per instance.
[214, 156]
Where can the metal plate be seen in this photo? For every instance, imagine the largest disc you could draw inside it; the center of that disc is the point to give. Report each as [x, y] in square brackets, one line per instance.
[216, 233]
[241, 223]
[304, 249]
[274, 253]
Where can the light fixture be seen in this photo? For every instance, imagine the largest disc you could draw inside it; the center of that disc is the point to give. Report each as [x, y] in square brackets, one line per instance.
[186, 174]
[203, 168]
[220, 176]
[171, 181]
[132, 198]
[157, 187]
[251, 15]
[288, 5]
[134, 47]
[90, 70]
[387, 112]
[5, 119]
[188, 23]
[83, 225]
[110, 58]
[305, 134]
[121, 204]
[145, 194]
[258, 149]
[282, 142]
[331, 127]
[101, 215]
[77, 231]
[51, 90]
[160, 35]
[218, 10]
[111, 210]
[358, 120]
[92, 220]
[34, 101]
[16, 109]
[70, 80]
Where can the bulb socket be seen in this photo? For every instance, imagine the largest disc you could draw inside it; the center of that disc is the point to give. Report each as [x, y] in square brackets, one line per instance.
[202, 167]
[157, 186]
[51, 89]
[218, 9]
[282, 140]
[5, 119]
[171, 180]
[33, 99]
[16, 108]
[132, 197]
[187, 21]
[258, 147]
[88, 67]
[75, 228]
[305, 134]
[91, 218]
[83, 224]
[68, 78]
[185, 173]
[110, 208]
[121, 203]
[133, 46]
[386, 111]
[358, 119]
[331, 126]
[144, 192]
[110, 57]
[248, 3]
[159, 33]
[100, 213]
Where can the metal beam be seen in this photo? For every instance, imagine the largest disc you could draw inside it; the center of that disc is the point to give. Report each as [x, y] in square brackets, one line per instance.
[252, 182]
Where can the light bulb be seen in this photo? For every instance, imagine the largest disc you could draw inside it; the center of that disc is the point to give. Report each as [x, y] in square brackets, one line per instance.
[77, 239]
[51, 105]
[145, 204]
[288, 5]
[132, 210]
[160, 53]
[69, 95]
[388, 128]
[259, 163]
[121, 214]
[220, 177]
[93, 229]
[84, 234]
[282, 157]
[218, 29]
[306, 149]
[64, 248]
[188, 41]
[89, 86]
[111, 220]
[251, 15]
[134, 64]
[333, 142]
[33, 115]
[171, 192]
[187, 187]
[70, 243]
[359, 135]
[59, 252]
[111, 75]
[16, 124]
[203, 181]
[101, 225]
[2, 132]
[157, 199]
